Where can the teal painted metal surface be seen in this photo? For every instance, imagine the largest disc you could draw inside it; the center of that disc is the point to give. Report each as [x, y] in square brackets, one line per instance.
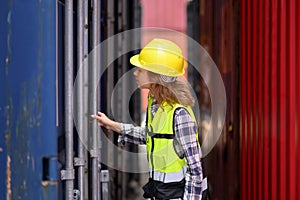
[28, 131]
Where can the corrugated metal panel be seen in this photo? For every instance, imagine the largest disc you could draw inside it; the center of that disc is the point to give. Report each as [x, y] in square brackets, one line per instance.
[269, 99]
[167, 14]
[298, 95]
[219, 35]
[266, 99]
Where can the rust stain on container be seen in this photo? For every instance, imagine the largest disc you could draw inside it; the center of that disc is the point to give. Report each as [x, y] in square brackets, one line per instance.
[8, 178]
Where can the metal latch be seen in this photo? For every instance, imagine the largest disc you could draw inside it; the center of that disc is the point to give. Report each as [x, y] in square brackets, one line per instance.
[67, 174]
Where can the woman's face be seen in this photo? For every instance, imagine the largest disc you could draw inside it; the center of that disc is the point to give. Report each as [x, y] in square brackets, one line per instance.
[142, 78]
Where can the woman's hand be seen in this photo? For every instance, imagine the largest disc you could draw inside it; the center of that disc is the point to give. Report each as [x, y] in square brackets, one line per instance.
[109, 124]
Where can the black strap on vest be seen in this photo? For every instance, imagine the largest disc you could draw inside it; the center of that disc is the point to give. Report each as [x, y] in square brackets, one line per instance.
[161, 135]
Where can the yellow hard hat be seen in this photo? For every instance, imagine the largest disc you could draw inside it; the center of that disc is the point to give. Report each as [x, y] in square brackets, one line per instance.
[160, 56]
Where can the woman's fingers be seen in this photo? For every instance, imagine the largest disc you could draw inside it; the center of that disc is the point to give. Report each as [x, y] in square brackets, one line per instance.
[100, 114]
[101, 118]
[96, 117]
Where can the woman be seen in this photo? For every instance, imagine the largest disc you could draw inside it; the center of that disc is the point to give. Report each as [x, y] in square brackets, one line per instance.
[170, 134]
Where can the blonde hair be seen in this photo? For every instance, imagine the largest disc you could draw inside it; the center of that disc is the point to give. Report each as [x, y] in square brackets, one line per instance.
[171, 93]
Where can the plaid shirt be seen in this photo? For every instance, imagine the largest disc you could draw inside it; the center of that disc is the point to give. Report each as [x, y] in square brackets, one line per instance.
[185, 132]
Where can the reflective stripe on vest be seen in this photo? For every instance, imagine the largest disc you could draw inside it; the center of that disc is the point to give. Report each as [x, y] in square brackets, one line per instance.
[169, 177]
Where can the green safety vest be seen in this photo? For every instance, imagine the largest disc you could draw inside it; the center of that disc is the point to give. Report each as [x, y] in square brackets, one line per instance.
[165, 165]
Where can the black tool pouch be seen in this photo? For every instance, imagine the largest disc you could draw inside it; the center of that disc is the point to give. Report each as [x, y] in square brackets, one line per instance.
[149, 189]
[164, 191]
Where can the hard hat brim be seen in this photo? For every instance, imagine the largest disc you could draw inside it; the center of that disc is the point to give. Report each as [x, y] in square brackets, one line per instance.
[156, 68]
